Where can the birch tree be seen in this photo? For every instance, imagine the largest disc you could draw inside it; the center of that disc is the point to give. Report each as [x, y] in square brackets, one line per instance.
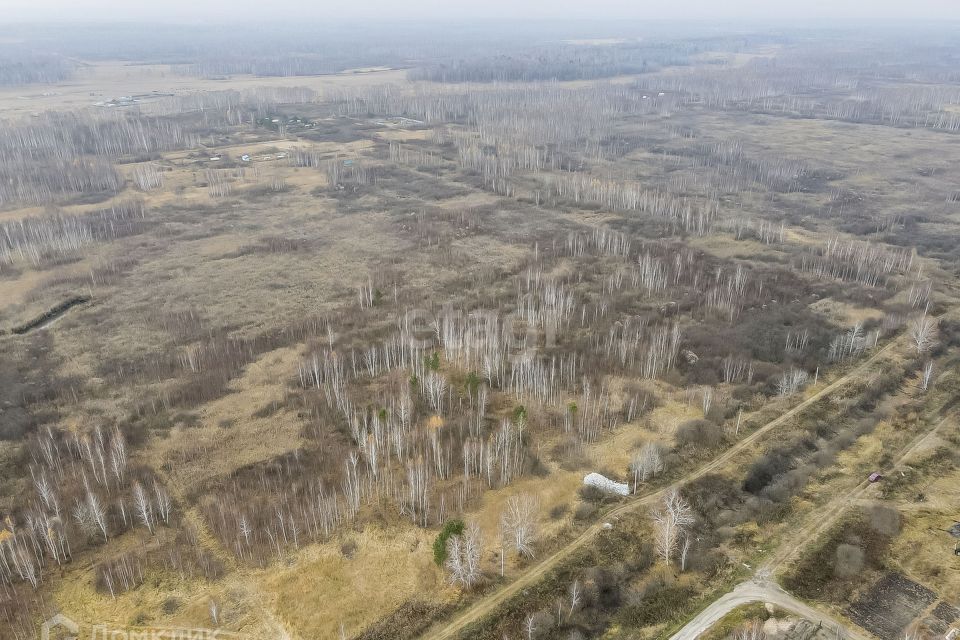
[96, 512]
[926, 376]
[671, 521]
[923, 333]
[519, 522]
[791, 381]
[530, 625]
[464, 552]
[685, 550]
[143, 506]
[576, 595]
[647, 463]
[164, 504]
[750, 631]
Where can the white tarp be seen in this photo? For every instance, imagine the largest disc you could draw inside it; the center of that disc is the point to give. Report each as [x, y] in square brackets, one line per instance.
[606, 484]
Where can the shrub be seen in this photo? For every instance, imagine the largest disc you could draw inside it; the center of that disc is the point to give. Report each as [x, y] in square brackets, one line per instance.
[884, 520]
[451, 528]
[698, 433]
[409, 620]
[849, 560]
[604, 589]
[658, 606]
[584, 511]
[590, 493]
[828, 571]
[769, 466]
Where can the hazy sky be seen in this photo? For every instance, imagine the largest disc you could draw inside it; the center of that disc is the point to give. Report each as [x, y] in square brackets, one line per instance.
[287, 10]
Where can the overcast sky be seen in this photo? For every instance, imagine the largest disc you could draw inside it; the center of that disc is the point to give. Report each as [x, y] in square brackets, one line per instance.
[244, 10]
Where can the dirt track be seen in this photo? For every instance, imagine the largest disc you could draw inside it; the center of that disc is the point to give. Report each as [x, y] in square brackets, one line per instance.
[825, 517]
[488, 605]
[758, 590]
[762, 589]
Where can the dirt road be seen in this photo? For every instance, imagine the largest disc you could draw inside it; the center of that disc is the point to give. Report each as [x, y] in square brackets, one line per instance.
[488, 604]
[825, 517]
[758, 590]
[762, 589]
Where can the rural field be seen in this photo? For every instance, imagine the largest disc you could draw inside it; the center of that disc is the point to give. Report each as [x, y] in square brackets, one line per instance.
[568, 333]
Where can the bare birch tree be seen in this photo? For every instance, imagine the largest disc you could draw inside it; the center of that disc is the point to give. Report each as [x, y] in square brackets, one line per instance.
[143, 506]
[791, 381]
[519, 522]
[923, 333]
[671, 521]
[464, 552]
[576, 595]
[97, 513]
[926, 376]
[646, 464]
[164, 504]
[750, 631]
[530, 625]
[685, 550]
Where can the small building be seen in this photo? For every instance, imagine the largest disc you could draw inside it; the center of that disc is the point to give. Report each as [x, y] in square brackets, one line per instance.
[875, 477]
[954, 530]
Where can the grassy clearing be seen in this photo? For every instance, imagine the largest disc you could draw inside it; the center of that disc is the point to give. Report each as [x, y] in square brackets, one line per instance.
[924, 550]
[354, 582]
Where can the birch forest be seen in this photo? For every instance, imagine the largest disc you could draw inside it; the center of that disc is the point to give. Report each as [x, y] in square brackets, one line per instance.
[320, 340]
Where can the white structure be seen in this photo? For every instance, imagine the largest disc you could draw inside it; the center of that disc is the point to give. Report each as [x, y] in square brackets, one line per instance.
[606, 484]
